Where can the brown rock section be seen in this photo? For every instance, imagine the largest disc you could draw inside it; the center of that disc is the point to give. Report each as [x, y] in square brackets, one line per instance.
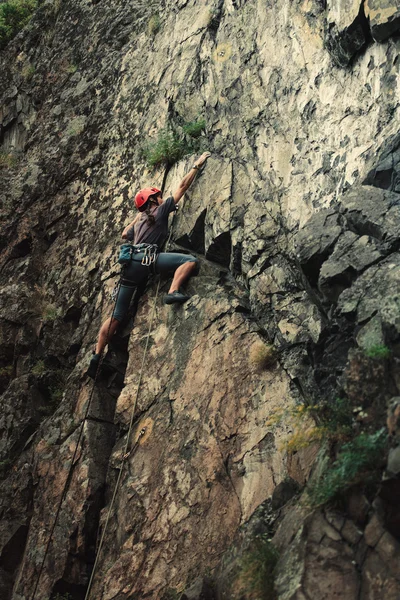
[209, 457]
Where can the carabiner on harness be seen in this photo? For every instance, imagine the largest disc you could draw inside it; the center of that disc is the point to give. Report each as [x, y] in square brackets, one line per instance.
[114, 292]
[150, 255]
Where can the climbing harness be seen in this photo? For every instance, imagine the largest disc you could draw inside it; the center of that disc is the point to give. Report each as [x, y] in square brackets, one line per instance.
[127, 252]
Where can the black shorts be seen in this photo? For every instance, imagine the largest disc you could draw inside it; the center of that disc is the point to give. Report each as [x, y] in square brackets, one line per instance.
[135, 274]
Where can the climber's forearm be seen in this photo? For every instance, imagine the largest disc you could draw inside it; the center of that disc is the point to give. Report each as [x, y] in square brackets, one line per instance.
[189, 178]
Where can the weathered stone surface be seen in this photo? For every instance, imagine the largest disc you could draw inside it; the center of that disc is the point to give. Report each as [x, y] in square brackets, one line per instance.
[393, 419]
[317, 564]
[82, 89]
[373, 212]
[384, 18]
[358, 508]
[352, 254]
[376, 582]
[393, 464]
[351, 533]
[345, 34]
[316, 240]
[382, 298]
[373, 531]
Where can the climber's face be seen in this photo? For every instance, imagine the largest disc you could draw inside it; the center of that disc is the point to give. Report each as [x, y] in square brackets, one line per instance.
[156, 199]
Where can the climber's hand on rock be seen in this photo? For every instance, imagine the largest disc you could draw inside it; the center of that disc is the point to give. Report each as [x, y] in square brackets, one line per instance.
[200, 161]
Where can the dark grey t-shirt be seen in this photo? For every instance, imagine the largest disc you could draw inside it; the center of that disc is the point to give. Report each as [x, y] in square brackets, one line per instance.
[157, 233]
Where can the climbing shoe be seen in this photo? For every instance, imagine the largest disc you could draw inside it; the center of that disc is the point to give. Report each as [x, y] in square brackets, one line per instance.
[176, 297]
[93, 366]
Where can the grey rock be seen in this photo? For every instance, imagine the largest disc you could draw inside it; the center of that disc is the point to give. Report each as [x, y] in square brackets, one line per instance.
[316, 240]
[201, 589]
[383, 296]
[371, 334]
[376, 581]
[373, 531]
[352, 254]
[345, 33]
[373, 212]
[393, 464]
[386, 172]
[384, 18]
[351, 533]
[284, 492]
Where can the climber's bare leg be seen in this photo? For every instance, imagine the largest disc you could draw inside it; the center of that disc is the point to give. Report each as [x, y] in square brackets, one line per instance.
[181, 275]
[106, 332]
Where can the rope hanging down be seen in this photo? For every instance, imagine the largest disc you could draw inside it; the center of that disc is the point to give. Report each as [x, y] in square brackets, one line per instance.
[70, 472]
[126, 452]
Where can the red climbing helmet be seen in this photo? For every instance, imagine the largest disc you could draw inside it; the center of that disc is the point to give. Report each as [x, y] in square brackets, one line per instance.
[142, 197]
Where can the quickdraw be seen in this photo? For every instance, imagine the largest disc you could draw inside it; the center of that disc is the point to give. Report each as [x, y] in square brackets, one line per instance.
[114, 292]
[150, 255]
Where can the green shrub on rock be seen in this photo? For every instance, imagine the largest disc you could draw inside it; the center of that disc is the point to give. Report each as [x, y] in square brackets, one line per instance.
[8, 160]
[194, 128]
[358, 458]
[257, 571]
[14, 15]
[39, 368]
[166, 150]
[173, 143]
[378, 351]
[153, 26]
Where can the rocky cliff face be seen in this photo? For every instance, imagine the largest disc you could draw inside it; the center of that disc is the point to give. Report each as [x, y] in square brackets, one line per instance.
[296, 220]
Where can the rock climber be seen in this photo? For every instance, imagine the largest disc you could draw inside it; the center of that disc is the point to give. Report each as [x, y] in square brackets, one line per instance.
[149, 231]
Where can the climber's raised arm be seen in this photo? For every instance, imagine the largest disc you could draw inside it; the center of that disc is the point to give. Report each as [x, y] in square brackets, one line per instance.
[125, 233]
[188, 179]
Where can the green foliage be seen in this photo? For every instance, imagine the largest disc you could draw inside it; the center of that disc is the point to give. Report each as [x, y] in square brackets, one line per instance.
[5, 465]
[378, 351]
[154, 25]
[8, 160]
[39, 368]
[171, 594]
[28, 71]
[14, 15]
[166, 150]
[337, 418]
[257, 571]
[6, 371]
[51, 312]
[56, 394]
[360, 457]
[195, 128]
[173, 144]
[331, 421]
[71, 68]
